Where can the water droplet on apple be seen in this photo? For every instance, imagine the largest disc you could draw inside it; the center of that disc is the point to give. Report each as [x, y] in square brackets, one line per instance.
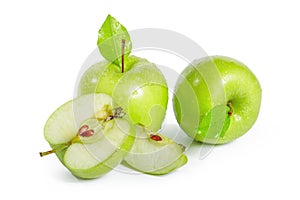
[101, 34]
[94, 80]
[117, 25]
[135, 92]
[196, 82]
[237, 117]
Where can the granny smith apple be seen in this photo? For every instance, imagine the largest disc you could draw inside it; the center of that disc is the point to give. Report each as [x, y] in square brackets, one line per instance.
[134, 83]
[141, 90]
[88, 135]
[217, 99]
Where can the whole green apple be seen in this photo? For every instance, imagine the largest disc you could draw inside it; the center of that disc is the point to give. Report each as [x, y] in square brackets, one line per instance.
[141, 89]
[217, 99]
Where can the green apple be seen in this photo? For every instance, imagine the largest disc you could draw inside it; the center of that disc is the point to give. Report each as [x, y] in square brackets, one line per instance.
[88, 136]
[153, 153]
[141, 90]
[135, 84]
[217, 99]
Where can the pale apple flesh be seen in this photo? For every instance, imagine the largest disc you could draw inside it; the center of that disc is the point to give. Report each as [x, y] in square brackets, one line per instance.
[234, 85]
[97, 149]
[141, 90]
[153, 153]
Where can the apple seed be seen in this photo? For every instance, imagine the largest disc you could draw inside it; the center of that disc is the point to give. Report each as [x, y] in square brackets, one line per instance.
[155, 137]
[84, 131]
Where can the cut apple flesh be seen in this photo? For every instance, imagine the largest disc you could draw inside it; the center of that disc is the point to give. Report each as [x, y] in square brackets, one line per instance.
[63, 125]
[82, 157]
[100, 150]
[92, 146]
[154, 153]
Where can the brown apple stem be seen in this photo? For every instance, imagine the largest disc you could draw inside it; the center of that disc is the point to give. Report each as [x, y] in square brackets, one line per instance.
[45, 153]
[229, 104]
[123, 49]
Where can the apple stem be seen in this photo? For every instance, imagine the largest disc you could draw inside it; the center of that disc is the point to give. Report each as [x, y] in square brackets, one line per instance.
[45, 153]
[229, 104]
[123, 49]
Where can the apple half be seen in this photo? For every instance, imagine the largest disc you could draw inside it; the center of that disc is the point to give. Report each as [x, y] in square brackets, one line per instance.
[88, 136]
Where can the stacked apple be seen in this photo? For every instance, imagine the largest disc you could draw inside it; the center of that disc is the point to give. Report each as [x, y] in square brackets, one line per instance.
[122, 102]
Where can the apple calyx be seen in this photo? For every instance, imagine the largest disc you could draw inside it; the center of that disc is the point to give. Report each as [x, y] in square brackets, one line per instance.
[229, 104]
[118, 113]
[107, 113]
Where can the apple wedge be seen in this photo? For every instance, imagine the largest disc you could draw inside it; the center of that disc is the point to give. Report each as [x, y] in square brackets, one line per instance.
[88, 136]
[153, 153]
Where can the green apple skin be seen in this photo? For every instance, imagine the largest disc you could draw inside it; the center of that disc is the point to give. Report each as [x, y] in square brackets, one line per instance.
[235, 84]
[181, 161]
[141, 90]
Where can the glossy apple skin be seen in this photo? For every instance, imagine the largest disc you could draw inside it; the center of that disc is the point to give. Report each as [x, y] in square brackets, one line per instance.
[213, 81]
[141, 90]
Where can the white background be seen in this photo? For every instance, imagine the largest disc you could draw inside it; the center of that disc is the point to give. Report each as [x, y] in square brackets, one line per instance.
[44, 43]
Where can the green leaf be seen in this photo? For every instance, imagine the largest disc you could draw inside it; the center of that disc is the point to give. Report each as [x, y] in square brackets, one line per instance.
[110, 37]
[215, 123]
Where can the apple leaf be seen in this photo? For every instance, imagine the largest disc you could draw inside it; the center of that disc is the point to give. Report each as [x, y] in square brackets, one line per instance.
[110, 41]
[215, 123]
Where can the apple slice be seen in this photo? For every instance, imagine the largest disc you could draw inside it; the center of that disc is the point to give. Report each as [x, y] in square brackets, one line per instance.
[153, 153]
[88, 136]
